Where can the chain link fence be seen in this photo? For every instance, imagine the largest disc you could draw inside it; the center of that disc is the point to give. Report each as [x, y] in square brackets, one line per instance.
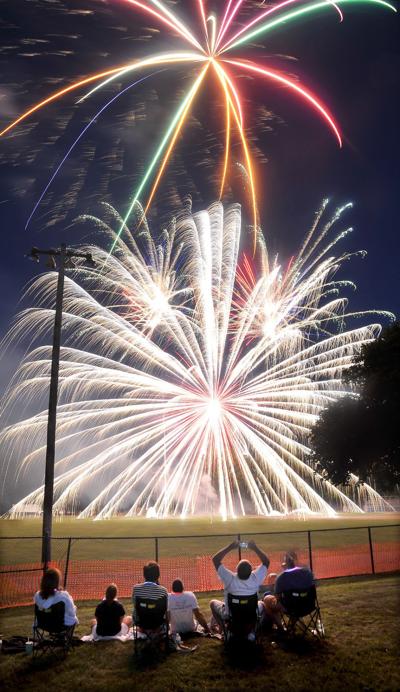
[88, 565]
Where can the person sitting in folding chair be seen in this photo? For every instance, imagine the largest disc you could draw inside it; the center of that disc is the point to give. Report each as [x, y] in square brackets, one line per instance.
[150, 607]
[110, 619]
[242, 585]
[55, 614]
[295, 597]
[184, 615]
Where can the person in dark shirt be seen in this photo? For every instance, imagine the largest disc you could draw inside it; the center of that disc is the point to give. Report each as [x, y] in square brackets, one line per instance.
[110, 619]
[292, 577]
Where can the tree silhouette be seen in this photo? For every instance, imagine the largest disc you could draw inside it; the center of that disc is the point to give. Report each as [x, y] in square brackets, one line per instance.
[360, 433]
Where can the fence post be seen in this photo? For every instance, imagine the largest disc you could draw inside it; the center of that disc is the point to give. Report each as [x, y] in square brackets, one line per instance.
[309, 550]
[239, 548]
[67, 562]
[156, 547]
[371, 550]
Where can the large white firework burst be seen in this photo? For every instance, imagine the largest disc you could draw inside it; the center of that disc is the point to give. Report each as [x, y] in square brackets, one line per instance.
[190, 373]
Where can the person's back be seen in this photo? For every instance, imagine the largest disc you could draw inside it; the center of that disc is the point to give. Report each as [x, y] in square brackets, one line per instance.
[245, 582]
[150, 588]
[293, 577]
[50, 594]
[183, 609]
[180, 608]
[109, 614]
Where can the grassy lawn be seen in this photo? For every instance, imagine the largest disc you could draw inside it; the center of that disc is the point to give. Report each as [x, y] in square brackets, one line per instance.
[360, 652]
[121, 529]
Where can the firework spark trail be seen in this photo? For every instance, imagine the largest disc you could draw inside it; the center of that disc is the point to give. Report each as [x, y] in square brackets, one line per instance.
[211, 53]
[178, 128]
[58, 94]
[161, 361]
[222, 75]
[228, 22]
[227, 143]
[294, 14]
[161, 59]
[168, 18]
[116, 71]
[204, 20]
[224, 20]
[77, 140]
[260, 17]
[251, 67]
[174, 124]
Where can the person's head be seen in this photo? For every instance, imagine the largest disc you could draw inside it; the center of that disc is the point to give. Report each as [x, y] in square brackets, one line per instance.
[289, 559]
[111, 593]
[243, 569]
[50, 582]
[151, 571]
[177, 586]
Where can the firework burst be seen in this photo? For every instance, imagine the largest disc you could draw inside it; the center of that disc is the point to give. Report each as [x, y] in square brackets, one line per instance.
[209, 53]
[187, 365]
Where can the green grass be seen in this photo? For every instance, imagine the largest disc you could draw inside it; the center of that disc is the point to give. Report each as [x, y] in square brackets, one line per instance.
[360, 653]
[23, 550]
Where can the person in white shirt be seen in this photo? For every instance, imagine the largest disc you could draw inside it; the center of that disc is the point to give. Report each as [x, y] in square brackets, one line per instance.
[50, 593]
[245, 582]
[184, 614]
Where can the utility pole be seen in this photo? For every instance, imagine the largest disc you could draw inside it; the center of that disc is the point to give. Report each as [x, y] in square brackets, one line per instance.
[59, 259]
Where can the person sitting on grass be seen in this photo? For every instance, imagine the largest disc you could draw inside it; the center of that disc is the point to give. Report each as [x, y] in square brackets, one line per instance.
[50, 594]
[245, 582]
[110, 619]
[292, 577]
[184, 614]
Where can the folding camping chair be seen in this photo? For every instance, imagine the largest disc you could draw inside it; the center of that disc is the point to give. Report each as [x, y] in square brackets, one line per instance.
[50, 635]
[243, 619]
[302, 613]
[150, 619]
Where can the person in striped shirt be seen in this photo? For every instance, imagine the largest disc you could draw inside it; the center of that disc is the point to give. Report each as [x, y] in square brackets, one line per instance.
[150, 588]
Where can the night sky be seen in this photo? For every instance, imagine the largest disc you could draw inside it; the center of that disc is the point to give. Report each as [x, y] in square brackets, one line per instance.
[353, 66]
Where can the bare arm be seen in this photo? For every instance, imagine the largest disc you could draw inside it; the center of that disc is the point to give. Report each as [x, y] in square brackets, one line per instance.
[218, 557]
[200, 618]
[264, 559]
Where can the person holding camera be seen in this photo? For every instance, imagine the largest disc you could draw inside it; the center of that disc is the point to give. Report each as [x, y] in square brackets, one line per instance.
[244, 582]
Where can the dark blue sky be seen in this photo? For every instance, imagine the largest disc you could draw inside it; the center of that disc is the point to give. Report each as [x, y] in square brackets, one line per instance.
[354, 67]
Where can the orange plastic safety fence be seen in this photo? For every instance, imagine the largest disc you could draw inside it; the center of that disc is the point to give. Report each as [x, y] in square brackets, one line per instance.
[87, 579]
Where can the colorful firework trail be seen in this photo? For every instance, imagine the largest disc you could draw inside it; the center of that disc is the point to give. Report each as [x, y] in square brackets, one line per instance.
[187, 366]
[210, 52]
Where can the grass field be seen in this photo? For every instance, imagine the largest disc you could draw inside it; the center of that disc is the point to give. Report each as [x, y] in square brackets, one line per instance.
[360, 653]
[172, 534]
